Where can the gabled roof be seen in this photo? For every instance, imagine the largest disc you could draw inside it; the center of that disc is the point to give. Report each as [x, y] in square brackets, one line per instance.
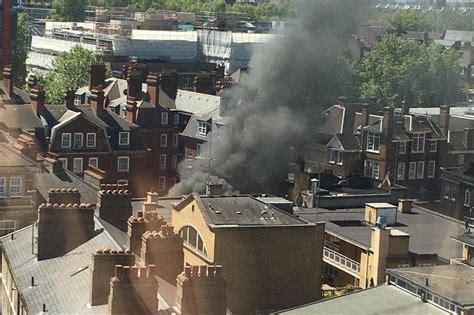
[345, 142]
[9, 157]
[19, 117]
[240, 211]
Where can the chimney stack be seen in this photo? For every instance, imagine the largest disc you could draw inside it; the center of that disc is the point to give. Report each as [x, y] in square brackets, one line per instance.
[63, 227]
[64, 196]
[214, 189]
[133, 290]
[365, 113]
[137, 226]
[169, 82]
[96, 75]
[164, 249]
[405, 205]
[38, 98]
[201, 290]
[8, 80]
[115, 205]
[388, 121]
[32, 81]
[53, 166]
[204, 83]
[97, 99]
[131, 110]
[349, 120]
[444, 117]
[153, 89]
[69, 97]
[136, 76]
[103, 270]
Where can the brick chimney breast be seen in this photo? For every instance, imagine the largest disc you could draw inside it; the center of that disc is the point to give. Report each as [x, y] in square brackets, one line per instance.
[69, 97]
[115, 206]
[8, 80]
[38, 98]
[153, 88]
[97, 75]
[97, 99]
[137, 226]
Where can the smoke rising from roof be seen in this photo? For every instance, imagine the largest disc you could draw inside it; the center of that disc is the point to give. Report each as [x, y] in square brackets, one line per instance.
[272, 112]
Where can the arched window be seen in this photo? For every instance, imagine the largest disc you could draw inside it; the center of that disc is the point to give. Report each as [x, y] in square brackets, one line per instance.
[191, 237]
[467, 198]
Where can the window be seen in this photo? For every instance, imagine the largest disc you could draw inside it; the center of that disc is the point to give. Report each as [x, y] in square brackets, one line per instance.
[467, 198]
[124, 138]
[16, 187]
[418, 143]
[164, 118]
[77, 165]
[198, 149]
[175, 140]
[461, 159]
[332, 156]
[192, 238]
[202, 128]
[77, 101]
[63, 162]
[176, 119]
[2, 187]
[122, 182]
[433, 146]
[431, 169]
[66, 140]
[91, 140]
[420, 170]
[412, 170]
[7, 226]
[162, 161]
[339, 157]
[446, 190]
[372, 169]
[78, 140]
[373, 142]
[402, 148]
[401, 171]
[123, 164]
[94, 161]
[174, 162]
[162, 183]
[454, 190]
[164, 140]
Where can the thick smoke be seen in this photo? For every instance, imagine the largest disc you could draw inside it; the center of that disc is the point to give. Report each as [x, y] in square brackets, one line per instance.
[272, 112]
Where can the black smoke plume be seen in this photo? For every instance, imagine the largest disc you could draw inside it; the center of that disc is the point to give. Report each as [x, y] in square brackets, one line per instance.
[273, 110]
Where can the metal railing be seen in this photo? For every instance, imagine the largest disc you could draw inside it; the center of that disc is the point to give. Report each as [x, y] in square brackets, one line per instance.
[342, 262]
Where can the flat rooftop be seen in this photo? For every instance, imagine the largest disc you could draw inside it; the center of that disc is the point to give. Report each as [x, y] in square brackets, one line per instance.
[384, 299]
[466, 238]
[453, 282]
[430, 233]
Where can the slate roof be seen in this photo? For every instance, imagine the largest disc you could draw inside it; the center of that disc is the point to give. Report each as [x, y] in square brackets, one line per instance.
[196, 103]
[19, 117]
[349, 142]
[384, 299]
[429, 232]
[62, 283]
[19, 96]
[64, 179]
[240, 211]
[9, 157]
[453, 282]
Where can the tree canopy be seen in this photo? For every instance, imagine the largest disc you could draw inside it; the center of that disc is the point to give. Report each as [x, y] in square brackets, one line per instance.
[398, 69]
[21, 49]
[70, 70]
[69, 10]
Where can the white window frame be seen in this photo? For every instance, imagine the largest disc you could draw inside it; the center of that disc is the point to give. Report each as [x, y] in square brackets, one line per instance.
[433, 146]
[164, 118]
[454, 190]
[162, 183]
[420, 170]
[63, 162]
[163, 140]
[124, 138]
[91, 140]
[372, 169]
[162, 162]
[77, 101]
[402, 148]
[412, 170]
[401, 171]
[78, 140]
[16, 189]
[373, 142]
[461, 159]
[202, 128]
[199, 149]
[75, 163]
[7, 227]
[174, 162]
[340, 158]
[122, 169]
[91, 161]
[332, 156]
[66, 138]
[467, 198]
[176, 119]
[3, 187]
[431, 169]
[418, 143]
[122, 182]
[175, 140]
[446, 190]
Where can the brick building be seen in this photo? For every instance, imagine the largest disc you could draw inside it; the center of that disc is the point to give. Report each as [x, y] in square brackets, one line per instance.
[457, 192]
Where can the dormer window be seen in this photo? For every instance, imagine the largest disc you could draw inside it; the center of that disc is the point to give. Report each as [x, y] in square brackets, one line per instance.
[78, 140]
[202, 128]
[373, 142]
[66, 140]
[164, 118]
[124, 138]
[418, 143]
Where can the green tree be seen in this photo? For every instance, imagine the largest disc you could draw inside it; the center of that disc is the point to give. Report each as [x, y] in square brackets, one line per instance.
[20, 52]
[70, 70]
[398, 68]
[69, 10]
